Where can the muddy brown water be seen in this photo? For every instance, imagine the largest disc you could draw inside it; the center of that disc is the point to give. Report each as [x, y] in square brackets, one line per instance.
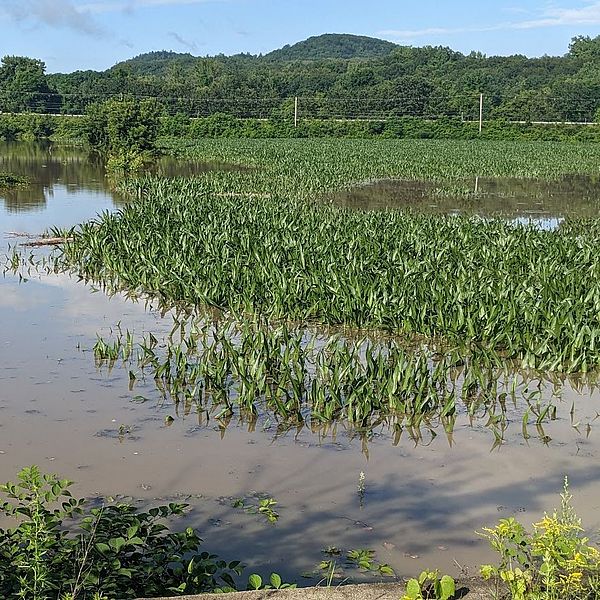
[545, 204]
[421, 505]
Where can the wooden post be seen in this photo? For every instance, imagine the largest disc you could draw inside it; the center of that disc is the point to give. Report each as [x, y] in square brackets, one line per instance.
[480, 113]
[296, 111]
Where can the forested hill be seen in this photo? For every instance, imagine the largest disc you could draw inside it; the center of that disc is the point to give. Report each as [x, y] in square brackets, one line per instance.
[341, 76]
[334, 45]
[155, 63]
[321, 47]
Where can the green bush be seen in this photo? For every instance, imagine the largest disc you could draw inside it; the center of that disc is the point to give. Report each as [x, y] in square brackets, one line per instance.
[72, 129]
[217, 125]
[552, 562]
[61, 548]
[26, 126]
[176, 125]
[118, 127]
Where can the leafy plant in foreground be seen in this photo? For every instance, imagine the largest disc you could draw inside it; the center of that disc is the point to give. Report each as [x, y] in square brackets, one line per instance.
[255, 582]
[552, 562]
[38, 547]
[59, 547]
[429, 584]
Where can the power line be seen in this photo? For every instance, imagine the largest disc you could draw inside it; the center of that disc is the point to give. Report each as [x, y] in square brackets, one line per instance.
[553, 109]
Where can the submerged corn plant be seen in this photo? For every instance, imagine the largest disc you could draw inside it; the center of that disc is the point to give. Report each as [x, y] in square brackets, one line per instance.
[513, 290]
[247, 368]
[463, 303]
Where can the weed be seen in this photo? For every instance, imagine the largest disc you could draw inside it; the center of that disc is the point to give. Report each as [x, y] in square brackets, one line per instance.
[430, 585]
[552, 562]
[62, 548]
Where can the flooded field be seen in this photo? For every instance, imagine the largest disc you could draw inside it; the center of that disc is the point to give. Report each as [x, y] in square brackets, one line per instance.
[420, 503]
[540, 202]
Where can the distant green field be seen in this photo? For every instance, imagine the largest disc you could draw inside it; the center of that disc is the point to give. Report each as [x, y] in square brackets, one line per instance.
[309, 167]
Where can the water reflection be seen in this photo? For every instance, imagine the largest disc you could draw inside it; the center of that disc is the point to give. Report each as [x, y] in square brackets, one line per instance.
[58, 173]
[545, 203]
[53, 172]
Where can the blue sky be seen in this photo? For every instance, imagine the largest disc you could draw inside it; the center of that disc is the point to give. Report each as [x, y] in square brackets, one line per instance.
[95, 34]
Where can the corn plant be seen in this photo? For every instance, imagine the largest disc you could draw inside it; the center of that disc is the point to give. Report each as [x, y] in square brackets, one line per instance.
[257, 241]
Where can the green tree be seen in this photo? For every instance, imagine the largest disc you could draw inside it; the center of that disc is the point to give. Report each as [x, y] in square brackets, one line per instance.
[23, 86]
[585, 48]
[123, 127]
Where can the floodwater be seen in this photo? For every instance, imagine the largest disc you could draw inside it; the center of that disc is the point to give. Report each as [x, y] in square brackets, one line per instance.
[542, 203]
[421, 503]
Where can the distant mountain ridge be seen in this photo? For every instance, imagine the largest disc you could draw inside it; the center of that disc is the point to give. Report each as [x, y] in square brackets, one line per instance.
[334, 45]
[154, 63]
[358, 76]
[329, 46]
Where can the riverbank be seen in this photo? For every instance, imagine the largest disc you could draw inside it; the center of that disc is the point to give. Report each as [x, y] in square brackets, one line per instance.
[472, 589]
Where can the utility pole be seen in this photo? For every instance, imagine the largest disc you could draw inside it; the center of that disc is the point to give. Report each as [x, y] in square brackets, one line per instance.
[480, 113]
[296, 111]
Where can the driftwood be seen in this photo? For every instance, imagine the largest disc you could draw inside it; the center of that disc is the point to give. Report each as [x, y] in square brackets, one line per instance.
[36, 240]
[50, 241]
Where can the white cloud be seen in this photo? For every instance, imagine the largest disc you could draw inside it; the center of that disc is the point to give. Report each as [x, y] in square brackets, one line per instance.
[53, 13]
[556, 17]
[589, 14]
[77, 15]
[131, 5]
[14, 298]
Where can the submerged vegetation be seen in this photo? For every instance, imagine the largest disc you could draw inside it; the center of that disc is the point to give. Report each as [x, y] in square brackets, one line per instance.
[225, 369]
[322, 314]
[526, 294]
[295, 310]
[10, 180]
[249, 242]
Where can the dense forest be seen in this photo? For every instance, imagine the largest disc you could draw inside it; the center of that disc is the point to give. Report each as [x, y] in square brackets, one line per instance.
[333, 76]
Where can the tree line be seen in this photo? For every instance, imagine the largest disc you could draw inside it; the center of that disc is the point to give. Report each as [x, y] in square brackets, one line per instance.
[399, 81]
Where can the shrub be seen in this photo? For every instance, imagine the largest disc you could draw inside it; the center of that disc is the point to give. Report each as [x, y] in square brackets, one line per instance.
[117, 127]
[60, 548]
[552, 562]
